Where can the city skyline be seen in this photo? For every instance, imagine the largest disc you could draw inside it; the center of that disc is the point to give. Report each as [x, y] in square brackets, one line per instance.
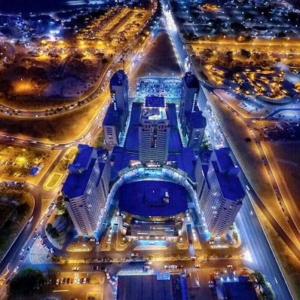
[149, 149]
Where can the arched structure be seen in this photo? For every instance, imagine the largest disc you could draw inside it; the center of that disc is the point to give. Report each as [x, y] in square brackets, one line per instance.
[165, 173]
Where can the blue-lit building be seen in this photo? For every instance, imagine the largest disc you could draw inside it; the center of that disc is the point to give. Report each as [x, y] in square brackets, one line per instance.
[189, 94]
[153, 199]
[194, 127]
[86, 188]
[235, 288]
[160, 286]
[153, 131]
[192, 121]
[119, 93]
[112, 126]
[220, 190]
[153, 173]
[117, 113]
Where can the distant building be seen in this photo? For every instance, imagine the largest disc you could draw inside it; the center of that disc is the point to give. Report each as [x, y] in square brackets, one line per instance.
[86, 188]
[160, 286]
[222, 193]
[235, 288]
[112, 126]
[119, 90]
[153, 133]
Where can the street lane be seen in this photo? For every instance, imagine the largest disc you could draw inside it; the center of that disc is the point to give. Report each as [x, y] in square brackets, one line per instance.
[263, 259]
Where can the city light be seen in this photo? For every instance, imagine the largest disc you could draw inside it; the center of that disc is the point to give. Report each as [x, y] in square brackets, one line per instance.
[149, 149]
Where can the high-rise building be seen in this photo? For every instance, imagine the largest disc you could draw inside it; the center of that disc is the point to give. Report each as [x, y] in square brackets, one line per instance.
[194, 127]
[189, 93]
[222, 193]
[112, 126]
[86, 189]
[119, 90]
[154, 132]
[192, 121]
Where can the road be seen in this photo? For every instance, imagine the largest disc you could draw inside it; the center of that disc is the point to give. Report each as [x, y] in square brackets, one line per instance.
[124, 52]
[290, 215]
[251, 231]
[25, 238]
[37, 224]
[10, 259]
[254, 239]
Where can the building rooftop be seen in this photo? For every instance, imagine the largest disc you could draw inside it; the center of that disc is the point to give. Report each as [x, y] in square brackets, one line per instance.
[240, 288]
[112, 116]
[227, 174]
[230, 185]
[152, 287]
[118, 78]
[81, 170]
[153, 114]
[155, 101]
[191, 80]
[82, 160]
[150, 198]
[195, 120]
[132, 137]
[185, 160]
[224, 160]
[121, 158]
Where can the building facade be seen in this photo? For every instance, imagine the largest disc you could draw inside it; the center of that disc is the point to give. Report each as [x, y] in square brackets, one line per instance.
[194, 128]
[112, 126]
[86, 189]
[154, 135]
[119, 93]
[221, 193]
[189, 94]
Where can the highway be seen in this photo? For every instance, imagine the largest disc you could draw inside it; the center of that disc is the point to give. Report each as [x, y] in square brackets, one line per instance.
[290, 216]
[251, 231]
[252, 235]
[255, 241]
[262, 257]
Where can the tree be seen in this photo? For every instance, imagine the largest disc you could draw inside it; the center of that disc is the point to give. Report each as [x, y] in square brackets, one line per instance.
[27, 282]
